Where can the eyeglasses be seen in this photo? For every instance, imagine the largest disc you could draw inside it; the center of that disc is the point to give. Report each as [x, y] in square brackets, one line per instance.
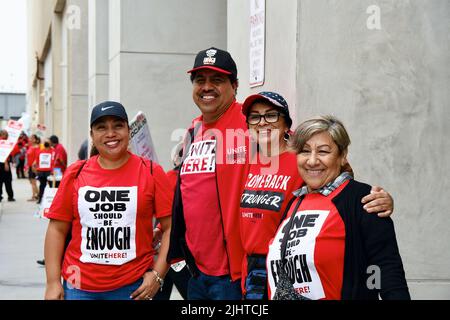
[270, 117]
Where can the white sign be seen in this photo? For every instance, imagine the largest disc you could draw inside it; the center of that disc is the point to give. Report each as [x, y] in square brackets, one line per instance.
[14, 129]
[257, 41]
[140, 139]
[6, 147]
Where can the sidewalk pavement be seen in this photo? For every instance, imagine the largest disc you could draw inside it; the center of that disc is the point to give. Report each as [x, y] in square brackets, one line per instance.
[21, 244]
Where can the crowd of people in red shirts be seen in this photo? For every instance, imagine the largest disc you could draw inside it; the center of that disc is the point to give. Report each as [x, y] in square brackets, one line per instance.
[34, 159]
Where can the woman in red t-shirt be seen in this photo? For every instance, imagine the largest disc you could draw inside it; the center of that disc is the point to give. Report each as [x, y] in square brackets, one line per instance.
[328, 247]
[107, 203]
[271, 180]
[32, 151]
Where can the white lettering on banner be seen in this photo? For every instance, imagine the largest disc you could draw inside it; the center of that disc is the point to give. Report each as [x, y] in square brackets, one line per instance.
[45, 160]
[267, 181]
[299, 260]
[201, 158]
[108, 224]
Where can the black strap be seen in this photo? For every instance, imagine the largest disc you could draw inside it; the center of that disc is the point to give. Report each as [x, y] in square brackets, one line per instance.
[286, 210]
[192, 133]
[81, 167]
[288, 229]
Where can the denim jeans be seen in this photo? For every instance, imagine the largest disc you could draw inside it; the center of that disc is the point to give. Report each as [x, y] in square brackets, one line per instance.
[122, 293]
[206, 287]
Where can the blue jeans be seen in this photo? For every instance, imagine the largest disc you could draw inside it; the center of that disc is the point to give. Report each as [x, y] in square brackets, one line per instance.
[206, 287]
[123, 293]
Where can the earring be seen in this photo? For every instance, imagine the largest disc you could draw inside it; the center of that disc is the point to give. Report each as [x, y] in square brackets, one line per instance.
[286, 136]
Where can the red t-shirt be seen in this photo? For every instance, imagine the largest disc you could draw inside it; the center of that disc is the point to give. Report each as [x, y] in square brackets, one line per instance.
[172, 175]
[45, 159]
[32, 155]
[267, 191]
[204, 230]
[316, 246]
[111, 212]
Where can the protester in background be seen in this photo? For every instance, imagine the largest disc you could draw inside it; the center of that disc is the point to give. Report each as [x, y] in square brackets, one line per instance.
[5, 172]
[83, 151]
[20, 160]
[43, 165]
[324, 247]
[18, 155]
[108, 202]
[60, 154]
[31, 155]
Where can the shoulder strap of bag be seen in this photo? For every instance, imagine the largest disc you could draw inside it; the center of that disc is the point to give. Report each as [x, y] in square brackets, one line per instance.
[192, 133]
[79, 169]
[286, 210]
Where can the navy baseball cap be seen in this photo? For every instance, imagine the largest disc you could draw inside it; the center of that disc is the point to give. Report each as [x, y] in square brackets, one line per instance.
[272, 98]
[108, 108]
[215, 59]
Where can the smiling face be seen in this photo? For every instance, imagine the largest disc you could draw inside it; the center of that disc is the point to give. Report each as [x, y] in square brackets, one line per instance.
[110, 135]
[265, 132]
[213, 93]
[319, 161]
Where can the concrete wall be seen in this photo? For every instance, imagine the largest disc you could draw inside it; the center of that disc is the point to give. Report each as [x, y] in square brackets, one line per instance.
[76, 112]
[390, 88]
[151, 46]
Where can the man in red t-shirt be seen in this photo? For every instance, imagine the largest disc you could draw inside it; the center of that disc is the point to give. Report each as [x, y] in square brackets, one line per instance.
[60, 154]
[205, 215]
[43, 164]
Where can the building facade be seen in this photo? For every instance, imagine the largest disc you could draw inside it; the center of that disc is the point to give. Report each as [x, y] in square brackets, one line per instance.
[379, 66]
[12, 105]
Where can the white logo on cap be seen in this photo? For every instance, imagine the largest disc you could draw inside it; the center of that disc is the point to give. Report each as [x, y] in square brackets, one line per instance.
[106, 108]
[209, 59]
[211, 52]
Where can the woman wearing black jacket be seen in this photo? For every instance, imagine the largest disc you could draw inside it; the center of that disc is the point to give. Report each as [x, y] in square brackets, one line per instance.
[328, 246]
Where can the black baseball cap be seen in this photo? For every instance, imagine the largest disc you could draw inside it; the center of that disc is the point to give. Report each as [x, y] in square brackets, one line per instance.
[273, 98]
[215, 59]
[108, 108]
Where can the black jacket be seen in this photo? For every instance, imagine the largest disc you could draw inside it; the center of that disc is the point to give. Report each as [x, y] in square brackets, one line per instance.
[369, 241]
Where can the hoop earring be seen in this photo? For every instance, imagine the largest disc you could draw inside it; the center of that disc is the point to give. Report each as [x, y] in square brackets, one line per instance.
[286, 136]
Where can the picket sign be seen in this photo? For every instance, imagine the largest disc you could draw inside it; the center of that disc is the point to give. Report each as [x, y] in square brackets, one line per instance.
[47, 199]
[14, 128]
[140, 139]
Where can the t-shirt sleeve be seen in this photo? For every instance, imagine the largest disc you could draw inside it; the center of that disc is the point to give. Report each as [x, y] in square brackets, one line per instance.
[163, 192]
[62, 205]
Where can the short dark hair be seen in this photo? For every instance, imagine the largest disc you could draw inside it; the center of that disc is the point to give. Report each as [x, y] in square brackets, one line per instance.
[54, 139]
